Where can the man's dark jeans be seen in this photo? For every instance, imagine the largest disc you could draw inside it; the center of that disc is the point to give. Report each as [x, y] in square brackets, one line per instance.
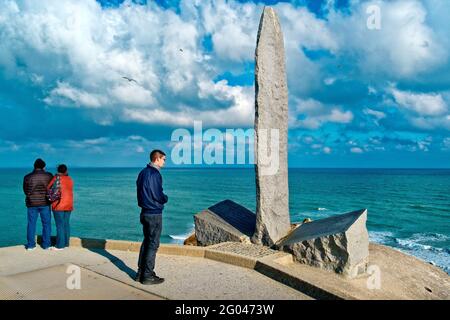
[152, 226]
[46, 218]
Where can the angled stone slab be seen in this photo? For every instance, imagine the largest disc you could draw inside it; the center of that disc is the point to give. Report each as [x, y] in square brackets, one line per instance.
[271, 126]
[339, 243]
[222, 222]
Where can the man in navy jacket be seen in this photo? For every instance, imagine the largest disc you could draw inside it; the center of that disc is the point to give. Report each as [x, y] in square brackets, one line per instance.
[151, 199]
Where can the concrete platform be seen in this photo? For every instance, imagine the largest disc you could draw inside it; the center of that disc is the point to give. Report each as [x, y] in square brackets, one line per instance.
[107, 274]
[51, 284]
[227, 270]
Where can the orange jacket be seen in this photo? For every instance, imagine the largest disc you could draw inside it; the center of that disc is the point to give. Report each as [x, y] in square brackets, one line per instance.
[66, 201]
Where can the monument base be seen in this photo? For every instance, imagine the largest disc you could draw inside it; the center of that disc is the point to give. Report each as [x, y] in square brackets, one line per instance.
[339, 243]
[223, 222]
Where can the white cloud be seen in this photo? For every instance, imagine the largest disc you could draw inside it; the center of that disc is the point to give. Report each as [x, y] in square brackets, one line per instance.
[240, 112]
[232, 27]
[308, 139]
[85, 51]
[66, 95]
[133, 95]
[446, 143]
[230, 42]
[302, 28]
[101, 145]
[376, 114]
[430, 123]
[404, 46]
[422, 104]
[356, 150]
[36, 79]
[8, 146]
[317, 114]
[140, 149]
[425, 111]
[329, 81]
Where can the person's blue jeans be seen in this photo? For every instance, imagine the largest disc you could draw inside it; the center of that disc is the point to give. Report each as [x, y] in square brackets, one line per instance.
[62, 228]
[46, 219]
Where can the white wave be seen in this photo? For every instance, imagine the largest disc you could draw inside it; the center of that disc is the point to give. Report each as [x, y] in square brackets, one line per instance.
[180, 237]
[429, 237]
[436, 256]
[381, 236]
[411, 244]
[425, 251]
[422, 241]
[415, 246]
[321, 209]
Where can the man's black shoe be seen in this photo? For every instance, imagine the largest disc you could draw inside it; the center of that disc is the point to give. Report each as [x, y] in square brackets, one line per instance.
[137, 277]
[152, 280]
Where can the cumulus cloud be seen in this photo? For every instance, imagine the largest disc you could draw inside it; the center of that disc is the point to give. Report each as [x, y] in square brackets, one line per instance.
[240, 113]
[425, 111]
[422, 104]
[93, 49]
[133, 95]
[431, 123]
[316, 114]
[404, 46]
[66, 95]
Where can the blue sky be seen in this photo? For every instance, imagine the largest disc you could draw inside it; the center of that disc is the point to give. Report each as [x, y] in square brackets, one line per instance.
[357, 97]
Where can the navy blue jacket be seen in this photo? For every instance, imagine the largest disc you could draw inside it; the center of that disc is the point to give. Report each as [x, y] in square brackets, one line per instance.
[150, 192]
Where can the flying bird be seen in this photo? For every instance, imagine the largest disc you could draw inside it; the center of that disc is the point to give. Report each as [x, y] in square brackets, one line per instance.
[129, 79]
[181, 50]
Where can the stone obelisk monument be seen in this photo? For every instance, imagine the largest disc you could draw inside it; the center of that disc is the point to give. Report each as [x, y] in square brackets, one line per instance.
[271, 126]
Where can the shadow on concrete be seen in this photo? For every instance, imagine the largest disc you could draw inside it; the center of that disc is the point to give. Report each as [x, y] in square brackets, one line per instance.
[52, 240]
[99, 248]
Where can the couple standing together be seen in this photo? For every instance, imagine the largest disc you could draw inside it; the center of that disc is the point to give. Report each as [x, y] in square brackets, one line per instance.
[38, 187]
[42, 189]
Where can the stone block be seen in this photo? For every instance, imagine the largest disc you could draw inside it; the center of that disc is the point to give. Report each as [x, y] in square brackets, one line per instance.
[339, 243]
[222, 222]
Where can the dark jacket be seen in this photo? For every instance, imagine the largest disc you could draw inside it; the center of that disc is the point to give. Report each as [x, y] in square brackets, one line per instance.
[150, 191]
[35, 188]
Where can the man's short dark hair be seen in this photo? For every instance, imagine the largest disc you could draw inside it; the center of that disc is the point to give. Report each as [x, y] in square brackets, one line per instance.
[156, 154]
[39, 164]
[62, 168]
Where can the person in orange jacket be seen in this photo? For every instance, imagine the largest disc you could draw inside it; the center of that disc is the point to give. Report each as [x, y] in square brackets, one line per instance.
[63, 207]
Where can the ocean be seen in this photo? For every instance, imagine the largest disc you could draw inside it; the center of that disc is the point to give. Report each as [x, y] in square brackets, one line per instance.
[408, 209]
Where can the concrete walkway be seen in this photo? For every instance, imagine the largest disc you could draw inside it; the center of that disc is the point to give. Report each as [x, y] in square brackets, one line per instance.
[228, 270]
[108, 274]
